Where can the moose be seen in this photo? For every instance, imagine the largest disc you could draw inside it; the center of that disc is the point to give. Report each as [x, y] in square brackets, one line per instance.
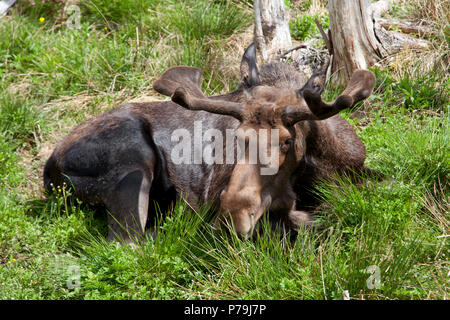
[122, 159]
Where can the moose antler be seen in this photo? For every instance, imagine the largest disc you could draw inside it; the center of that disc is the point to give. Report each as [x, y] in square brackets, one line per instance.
[359, 88]
[191, 102]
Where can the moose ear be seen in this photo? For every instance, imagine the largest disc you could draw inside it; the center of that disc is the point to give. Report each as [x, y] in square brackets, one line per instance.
[187, 77]
[249, 69]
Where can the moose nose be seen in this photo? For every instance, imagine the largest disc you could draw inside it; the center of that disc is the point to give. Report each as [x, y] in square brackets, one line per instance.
[252, 226]
[242, 223]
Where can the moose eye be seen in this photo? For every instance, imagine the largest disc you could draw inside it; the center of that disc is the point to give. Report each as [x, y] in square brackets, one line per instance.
[287, 145]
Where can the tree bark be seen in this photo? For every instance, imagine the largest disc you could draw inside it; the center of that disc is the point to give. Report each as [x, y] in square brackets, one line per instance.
[355, 45]
[271, 28]
[405, 26]
[359, 39]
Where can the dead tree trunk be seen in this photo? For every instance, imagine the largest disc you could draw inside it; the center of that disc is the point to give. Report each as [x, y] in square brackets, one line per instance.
[358, 39]
[354, 43]
[271, 28]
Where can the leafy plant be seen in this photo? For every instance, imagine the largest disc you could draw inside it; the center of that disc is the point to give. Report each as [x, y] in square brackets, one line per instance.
[304, 28]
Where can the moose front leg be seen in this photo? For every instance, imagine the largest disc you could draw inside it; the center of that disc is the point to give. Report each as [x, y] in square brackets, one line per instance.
[297, 219]
[282, 213]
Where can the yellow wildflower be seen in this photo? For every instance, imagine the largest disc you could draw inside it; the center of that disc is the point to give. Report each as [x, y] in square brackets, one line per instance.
[41, 19]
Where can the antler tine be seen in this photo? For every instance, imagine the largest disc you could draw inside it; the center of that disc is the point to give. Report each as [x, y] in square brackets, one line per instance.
[359, 88]
[188, 101]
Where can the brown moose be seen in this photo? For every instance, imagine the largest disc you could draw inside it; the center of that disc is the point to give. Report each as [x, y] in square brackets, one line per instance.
[123, 159]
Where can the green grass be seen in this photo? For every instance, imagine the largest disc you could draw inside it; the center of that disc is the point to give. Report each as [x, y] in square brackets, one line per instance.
[304, 27]
[400, 226]
[414, 92]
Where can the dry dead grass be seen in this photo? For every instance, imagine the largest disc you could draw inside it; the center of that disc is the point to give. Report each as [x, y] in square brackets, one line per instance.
[416, 63]
[225, 58]
[434, 14]
[318, 7]
[22, 88]
[438, 209]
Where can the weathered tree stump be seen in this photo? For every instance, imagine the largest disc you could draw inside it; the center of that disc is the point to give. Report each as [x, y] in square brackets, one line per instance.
[359, 38]
[271, 28]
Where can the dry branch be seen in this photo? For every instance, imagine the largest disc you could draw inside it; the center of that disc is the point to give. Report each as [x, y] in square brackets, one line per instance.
[326, 39]
[405, 26]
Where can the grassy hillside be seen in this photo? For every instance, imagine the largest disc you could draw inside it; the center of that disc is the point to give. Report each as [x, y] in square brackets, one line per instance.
[53, 77]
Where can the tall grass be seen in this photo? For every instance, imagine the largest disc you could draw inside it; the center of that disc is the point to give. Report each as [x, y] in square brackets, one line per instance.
[398, 228]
